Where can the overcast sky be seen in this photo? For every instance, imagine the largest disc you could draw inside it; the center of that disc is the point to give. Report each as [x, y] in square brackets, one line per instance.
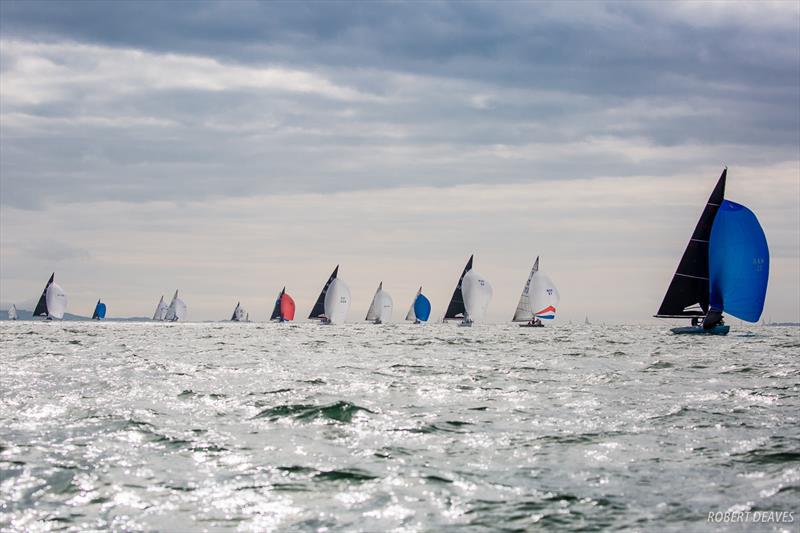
[231, 148]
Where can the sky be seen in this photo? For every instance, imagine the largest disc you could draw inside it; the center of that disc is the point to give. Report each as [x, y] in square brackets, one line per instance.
[229, 148]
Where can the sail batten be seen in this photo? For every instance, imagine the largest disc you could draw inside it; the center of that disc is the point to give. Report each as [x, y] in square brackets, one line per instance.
[690, 284]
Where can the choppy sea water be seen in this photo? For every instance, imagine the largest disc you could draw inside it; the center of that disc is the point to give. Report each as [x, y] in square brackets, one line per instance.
[258, 427]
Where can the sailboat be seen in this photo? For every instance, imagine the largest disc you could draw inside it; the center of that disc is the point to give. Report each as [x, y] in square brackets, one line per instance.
[380, 310]
[53, 301]
[99, 311]
[420, 309]
[455, 309]
[725, 267]
[586, 321]
[333, 301]
[176, 310]
[12, 312]
[539, 293]
[161, 310]
[239, 314]
[284, 308]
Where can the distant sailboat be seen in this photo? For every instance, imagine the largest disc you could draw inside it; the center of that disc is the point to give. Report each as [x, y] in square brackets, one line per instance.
[337, 302]
[538, 299]
[586, 321]
[725, 267]
[284, 308]
[176, 310]
[318, 311]
[99, 311]
[420, 309]
[455, 309]
[239, 314]
[53, 301]
[477, 294]
[161, 310]
[12, 312]
[380, 310]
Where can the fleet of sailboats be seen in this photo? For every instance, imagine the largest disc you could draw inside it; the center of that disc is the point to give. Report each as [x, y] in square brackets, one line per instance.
[380, 310]
[724, 268]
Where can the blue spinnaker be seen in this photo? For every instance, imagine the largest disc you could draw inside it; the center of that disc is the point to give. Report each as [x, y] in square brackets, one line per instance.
[738, 263]
[422, 308]
[100, 310]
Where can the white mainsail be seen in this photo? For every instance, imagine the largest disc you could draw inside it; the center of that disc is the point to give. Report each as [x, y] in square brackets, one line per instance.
[161, 310]
[12, 312]
[411, 315]
[380, 310]
[477, 294]
[176, 310]
[56, 301]
[337, 301]
[524, 313]
[544, 297]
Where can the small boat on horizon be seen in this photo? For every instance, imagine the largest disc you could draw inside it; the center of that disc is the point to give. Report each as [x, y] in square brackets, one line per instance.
[53, 301]
[239, 314]
[380, 310]
[12, 312]
[725, 267]
[284, 308]
[99, 311]
[420, 309]
[539, 293]
[177, 309]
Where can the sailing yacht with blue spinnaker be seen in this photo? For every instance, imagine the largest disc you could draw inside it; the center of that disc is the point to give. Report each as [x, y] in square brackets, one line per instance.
[725, 268]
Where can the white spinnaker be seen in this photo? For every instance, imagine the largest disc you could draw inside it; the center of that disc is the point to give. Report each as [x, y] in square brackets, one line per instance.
[543, 295]
[381, 307]
[161, 310]
[241, 314]
[176, 310]
[411, 315]
[337, 301]
[524, 312]
[477, 293]
[12, 312]
[56, 301]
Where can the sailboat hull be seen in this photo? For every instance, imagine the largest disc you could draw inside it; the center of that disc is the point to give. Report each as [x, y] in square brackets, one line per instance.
[699, 330]
[531, 325]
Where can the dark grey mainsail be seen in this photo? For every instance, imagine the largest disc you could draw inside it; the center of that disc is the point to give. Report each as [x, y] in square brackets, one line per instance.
[276, 311]
[456, 310]
[319, 308]
[235, 315]
[41, 307]
[687, 295]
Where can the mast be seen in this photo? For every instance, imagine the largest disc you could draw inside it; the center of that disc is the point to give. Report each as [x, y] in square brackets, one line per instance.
[456, 305]
[41, 306]
[688, 293]
[319, 308]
